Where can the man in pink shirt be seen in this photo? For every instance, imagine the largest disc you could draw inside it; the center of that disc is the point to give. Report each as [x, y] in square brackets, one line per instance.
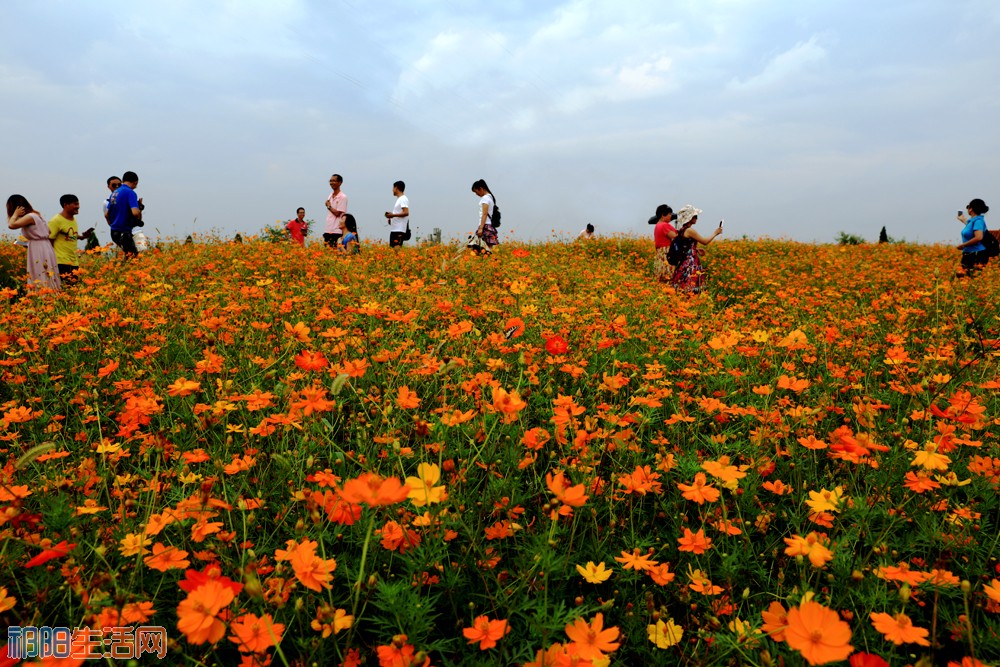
[336, 206]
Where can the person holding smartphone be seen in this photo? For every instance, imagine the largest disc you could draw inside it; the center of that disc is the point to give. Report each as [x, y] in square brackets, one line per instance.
[689, 276]
[974, 255]
[63, 234]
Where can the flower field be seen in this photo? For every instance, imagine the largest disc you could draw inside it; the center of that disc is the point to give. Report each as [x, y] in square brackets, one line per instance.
[287, 456]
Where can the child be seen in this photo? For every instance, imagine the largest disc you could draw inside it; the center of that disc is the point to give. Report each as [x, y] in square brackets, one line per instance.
[352, 244]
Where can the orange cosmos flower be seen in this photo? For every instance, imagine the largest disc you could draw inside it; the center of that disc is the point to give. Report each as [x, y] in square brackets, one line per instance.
[694, 542]
[399, 654]
[406, 398]
[330, 620]
[992, 590]
[777, 487]
[456, 330]
[591, 640]
[899, 629]
[635, 561]
[810, 546]
[775, 621]
[792, 383]
[812, 443]
[137, 612]
[255, 634]
[299, 331]
[699, 491]
[311, 400]
[356, 369]
[373, 491]
[818, 634]
[510, 404]
[457, 417]
[107, 369]
[486, 632]
[7, 602]
[167, 558]
[573, 496]
[311, 570]
[196, 614]
[642, 481]
[183, 387]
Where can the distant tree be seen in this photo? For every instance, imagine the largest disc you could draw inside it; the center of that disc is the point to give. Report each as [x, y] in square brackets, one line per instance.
[843, 238]
[883, 237]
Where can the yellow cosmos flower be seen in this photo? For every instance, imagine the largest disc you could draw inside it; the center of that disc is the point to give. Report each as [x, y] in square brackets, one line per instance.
[825, 501]
[664, 634]
[422, 487]
[594, 574]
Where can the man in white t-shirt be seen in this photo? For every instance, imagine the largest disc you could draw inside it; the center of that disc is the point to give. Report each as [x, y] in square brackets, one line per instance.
[336, 207]
[399, 218]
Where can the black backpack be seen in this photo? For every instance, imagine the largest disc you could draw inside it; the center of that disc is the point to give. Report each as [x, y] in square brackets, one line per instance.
[678, 250]
[991, 244]
[407, 235]
[495, 218]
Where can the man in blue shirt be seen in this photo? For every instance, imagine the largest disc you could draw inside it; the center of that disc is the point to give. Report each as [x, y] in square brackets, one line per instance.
[125, 213]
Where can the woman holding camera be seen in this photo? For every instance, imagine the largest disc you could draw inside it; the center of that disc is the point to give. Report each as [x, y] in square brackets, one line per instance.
[974, 254]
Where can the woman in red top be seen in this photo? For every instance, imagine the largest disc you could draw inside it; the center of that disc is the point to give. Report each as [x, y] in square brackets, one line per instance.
[663, 234]
[298, 226]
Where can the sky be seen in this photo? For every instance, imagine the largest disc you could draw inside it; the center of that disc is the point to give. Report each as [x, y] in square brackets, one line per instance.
[793, 119]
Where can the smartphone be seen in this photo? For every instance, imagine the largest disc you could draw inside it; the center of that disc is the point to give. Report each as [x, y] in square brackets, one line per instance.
[959, 212]
[721, 223]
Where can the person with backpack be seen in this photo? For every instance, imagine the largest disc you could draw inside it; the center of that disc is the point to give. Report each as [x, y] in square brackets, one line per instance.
[398, 218]
[689, 275]
[663, 234]
[977, 245]
[489, 217]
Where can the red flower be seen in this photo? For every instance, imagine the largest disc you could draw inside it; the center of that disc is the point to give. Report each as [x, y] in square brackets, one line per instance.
[556, 345]
[867, 660]
[311, 361]
[193, 579]
[58, 551]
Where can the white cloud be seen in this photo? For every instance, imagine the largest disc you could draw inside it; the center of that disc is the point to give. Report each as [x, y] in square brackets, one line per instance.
[799, 59]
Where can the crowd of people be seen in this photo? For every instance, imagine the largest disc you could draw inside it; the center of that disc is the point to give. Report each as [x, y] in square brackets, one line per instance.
[341, 228]
[52, 247]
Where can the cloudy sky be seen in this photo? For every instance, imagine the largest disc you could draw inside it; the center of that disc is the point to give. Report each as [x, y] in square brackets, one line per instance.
[789, 118]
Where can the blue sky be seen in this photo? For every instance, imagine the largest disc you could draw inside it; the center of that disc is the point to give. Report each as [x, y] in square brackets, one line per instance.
[794, 119]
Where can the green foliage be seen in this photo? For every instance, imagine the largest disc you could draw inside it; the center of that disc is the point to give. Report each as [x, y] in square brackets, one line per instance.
[843, 238]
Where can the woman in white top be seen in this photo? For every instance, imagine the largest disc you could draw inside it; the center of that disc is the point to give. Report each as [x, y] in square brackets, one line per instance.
[42, 265]
[487, 205]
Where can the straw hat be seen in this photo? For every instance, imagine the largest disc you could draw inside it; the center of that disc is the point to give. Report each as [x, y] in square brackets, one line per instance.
[685, 215]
